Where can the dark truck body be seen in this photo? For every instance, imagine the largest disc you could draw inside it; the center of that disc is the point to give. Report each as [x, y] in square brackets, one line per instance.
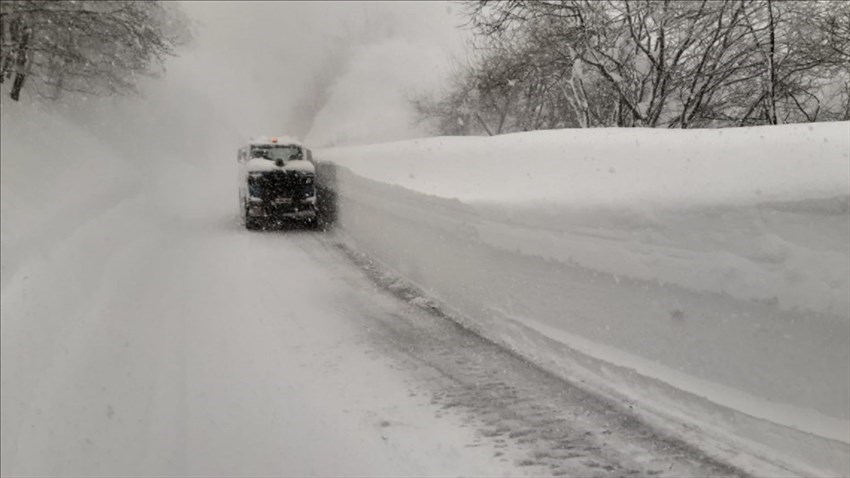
[277, 183]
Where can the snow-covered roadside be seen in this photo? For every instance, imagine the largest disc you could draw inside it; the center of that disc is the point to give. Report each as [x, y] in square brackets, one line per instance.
[67, 178]
[711, 262]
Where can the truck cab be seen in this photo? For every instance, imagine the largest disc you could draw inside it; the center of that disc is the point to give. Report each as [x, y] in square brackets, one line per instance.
[276, 182]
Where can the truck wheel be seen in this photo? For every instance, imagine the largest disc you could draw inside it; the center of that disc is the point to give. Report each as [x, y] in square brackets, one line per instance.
[311, 224]
[251, 223]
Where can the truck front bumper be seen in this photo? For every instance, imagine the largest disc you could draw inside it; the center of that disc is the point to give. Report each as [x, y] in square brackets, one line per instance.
[302, 211]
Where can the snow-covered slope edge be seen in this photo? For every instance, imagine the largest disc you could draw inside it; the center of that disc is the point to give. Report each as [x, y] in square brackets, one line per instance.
[628, 273]
[729, 210]
[55, 178]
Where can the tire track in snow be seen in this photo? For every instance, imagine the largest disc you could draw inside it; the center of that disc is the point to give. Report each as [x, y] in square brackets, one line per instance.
[542, 423]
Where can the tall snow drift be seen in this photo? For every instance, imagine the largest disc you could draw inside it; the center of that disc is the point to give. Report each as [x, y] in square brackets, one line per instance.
[699, 273]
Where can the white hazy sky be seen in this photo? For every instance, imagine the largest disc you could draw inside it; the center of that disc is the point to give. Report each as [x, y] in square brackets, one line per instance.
[254, 59]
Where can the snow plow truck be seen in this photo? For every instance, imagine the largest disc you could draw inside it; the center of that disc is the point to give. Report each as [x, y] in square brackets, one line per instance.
[276, 183]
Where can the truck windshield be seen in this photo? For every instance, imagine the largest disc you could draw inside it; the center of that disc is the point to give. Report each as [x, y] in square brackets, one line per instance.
[274, 152]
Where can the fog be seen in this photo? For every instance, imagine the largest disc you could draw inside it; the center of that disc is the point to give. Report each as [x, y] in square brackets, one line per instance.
[271, 68]
[251, 63]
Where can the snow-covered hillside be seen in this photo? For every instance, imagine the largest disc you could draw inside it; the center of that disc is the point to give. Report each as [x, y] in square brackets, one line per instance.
[704, 275]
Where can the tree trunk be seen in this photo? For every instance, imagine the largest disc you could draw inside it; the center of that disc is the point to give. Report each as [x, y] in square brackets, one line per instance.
[771, 65]
[483, 124]
[21, 63]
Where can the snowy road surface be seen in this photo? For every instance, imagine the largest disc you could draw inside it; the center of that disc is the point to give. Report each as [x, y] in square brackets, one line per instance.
[152, 343]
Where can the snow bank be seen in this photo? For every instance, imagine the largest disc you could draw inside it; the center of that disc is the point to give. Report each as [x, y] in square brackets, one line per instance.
[729, 211]
[703, 274]
[634, 168]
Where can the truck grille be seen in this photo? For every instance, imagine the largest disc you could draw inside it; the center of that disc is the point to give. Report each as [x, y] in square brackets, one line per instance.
[275, 185]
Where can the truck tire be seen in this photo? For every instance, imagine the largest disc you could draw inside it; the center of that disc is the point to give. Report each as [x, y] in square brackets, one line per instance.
[251, 223]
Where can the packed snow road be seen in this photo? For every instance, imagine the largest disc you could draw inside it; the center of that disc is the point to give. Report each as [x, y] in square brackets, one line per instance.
[145, 343]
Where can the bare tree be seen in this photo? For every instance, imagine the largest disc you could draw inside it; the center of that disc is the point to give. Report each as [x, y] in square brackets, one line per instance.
[86, 46]
[657, 63]
[506, 86]
[805, 53]
[457, 110]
